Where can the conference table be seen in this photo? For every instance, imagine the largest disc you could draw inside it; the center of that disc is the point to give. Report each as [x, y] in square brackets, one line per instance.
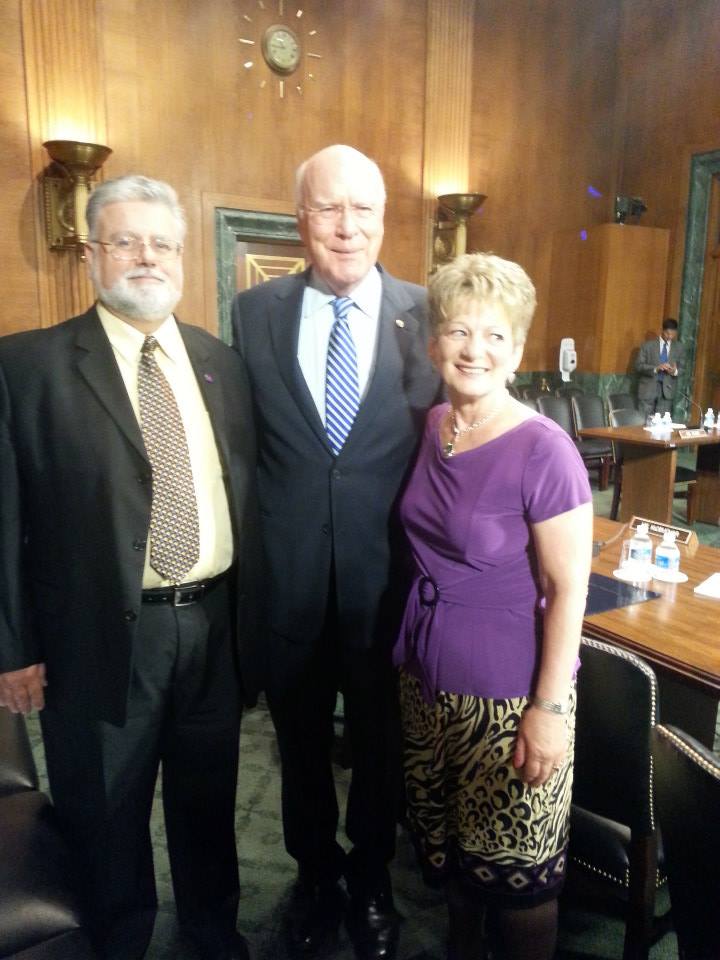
[649, 461]
[676, 632]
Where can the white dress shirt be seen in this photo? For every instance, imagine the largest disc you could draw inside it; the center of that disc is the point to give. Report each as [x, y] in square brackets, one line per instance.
[315, 326]
[216, 539]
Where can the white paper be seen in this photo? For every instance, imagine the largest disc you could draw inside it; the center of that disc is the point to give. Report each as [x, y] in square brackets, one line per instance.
[709, 587]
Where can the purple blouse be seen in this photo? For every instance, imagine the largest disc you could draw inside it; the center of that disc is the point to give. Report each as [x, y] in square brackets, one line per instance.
[473, 620]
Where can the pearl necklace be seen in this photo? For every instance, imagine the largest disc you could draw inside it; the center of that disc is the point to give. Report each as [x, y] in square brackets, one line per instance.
[449, 449]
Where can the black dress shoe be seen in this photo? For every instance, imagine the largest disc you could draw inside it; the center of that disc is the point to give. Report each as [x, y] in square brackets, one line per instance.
[313, 919]
[373, 925]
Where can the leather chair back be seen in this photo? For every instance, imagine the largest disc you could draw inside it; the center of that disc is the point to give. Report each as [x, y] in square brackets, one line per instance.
[613, 854]
[687, 792]
[621, 401]
[17, 767]
[626, 417]
[559, 410]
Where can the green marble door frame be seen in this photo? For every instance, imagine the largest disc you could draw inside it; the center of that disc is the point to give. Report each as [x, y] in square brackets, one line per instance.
[703, 166]
[234, 225]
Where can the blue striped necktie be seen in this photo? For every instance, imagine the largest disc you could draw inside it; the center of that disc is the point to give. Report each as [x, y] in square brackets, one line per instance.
[342, 394]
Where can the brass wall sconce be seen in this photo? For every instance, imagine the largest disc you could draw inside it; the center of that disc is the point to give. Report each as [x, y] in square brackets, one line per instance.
[450, 227]
[66, 188]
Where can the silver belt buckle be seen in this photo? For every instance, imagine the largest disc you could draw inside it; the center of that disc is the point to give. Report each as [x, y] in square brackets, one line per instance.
[195, 593]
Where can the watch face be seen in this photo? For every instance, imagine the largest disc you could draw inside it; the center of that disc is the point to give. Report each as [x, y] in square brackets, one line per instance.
[281, 49]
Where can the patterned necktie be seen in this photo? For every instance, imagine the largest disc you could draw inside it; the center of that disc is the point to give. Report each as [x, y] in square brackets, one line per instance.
[174, 529]
[663, 359]
[342, 394]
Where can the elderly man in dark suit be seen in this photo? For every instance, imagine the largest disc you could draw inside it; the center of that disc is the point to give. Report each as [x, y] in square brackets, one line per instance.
[658, 365]
[341, 382]
[127, 555]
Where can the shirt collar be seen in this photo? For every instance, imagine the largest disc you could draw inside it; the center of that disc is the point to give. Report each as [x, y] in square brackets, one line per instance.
[366, 296]
[128, 340]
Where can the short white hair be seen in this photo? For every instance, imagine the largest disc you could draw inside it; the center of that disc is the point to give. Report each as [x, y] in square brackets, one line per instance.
[342, 152]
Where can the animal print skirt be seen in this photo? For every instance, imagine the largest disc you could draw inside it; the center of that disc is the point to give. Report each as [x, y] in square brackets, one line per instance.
[467, 808]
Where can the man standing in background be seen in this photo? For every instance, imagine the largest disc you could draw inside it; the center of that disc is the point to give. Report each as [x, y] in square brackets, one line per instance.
[128, 531]
[341, 382]
[659, 362]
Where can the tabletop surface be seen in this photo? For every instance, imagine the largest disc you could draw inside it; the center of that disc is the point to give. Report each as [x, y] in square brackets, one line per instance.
[679, 630]
[639, 435]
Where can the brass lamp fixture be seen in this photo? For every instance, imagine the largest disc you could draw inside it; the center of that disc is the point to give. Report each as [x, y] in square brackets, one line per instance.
[450, 228]
[66, 188]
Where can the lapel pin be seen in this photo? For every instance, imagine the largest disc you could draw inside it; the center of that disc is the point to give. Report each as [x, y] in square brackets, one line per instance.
[209, 377]
[399, 322]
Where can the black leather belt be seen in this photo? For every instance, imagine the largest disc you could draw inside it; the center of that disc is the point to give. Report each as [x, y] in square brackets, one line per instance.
[184, 593]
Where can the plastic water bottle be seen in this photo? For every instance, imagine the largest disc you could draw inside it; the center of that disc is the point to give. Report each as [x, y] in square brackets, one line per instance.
[641, 550]
[709, 421]
[667, 555]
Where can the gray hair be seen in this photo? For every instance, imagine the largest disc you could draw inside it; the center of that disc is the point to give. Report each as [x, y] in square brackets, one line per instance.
[130, 188]
[341, 151]
[479, 278]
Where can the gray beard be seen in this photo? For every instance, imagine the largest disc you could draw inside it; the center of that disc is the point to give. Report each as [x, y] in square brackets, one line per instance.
[138, 303]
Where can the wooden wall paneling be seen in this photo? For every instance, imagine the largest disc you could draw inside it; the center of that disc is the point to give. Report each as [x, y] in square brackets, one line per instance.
[607, 289]
[19, 308]
[181, 106]
[669, 76]
[543, 139]
[65, 100]
[448, 105]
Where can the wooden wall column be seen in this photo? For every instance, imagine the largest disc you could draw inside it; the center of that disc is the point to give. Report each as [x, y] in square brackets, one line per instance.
[65, 98]
[448, 102]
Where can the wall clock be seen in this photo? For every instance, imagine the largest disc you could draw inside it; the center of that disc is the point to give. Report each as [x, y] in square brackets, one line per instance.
[277, 40]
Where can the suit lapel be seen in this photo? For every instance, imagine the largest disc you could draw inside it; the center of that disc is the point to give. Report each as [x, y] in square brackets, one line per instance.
[210, 383]
[96, 364]
[284, 315]
[397, 328]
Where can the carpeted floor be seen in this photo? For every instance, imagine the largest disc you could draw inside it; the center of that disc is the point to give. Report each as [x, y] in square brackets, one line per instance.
[267, 873]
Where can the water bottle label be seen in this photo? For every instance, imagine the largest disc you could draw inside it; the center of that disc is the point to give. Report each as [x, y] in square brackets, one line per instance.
[665, 560]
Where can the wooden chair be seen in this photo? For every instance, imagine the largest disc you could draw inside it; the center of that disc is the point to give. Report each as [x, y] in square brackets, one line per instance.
[633, 418]
[687, 793]
[613, 855]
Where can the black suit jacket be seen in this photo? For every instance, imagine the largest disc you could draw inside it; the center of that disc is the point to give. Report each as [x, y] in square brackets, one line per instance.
[319, 511]
[75, 493]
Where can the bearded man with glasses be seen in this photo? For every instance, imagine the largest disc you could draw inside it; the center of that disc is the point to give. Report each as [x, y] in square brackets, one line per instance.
[128, 552]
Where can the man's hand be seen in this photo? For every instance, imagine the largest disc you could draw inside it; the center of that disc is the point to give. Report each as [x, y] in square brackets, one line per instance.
[23, 690]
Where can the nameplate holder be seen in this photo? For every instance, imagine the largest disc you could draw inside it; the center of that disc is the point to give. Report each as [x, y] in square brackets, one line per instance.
[692, 434]
[656, 529]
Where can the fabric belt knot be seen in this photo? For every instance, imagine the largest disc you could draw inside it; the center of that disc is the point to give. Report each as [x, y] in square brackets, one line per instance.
[174, 525]
[428, 592]
[342, 392]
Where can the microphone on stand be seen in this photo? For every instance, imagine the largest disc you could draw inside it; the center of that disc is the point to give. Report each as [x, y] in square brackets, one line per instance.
[686, 396]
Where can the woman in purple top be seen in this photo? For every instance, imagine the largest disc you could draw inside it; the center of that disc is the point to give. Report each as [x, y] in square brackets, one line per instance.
[499, 514]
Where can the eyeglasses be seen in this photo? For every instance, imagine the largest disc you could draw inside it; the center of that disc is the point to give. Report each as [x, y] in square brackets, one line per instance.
[328, 212]
[128, 246]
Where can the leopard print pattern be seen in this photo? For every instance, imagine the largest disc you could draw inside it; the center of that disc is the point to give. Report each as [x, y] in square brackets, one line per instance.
[467, 806]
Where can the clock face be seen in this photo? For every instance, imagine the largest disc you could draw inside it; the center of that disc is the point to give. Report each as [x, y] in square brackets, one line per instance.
[281, 49]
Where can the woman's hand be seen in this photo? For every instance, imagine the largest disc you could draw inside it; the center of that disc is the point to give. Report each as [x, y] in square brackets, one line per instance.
[541, 747]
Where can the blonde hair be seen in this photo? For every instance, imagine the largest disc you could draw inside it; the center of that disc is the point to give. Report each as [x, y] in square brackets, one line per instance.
[479, 278]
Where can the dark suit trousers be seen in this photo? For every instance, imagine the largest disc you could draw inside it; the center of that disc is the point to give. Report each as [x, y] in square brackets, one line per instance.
[302, 706]
[183, 713]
